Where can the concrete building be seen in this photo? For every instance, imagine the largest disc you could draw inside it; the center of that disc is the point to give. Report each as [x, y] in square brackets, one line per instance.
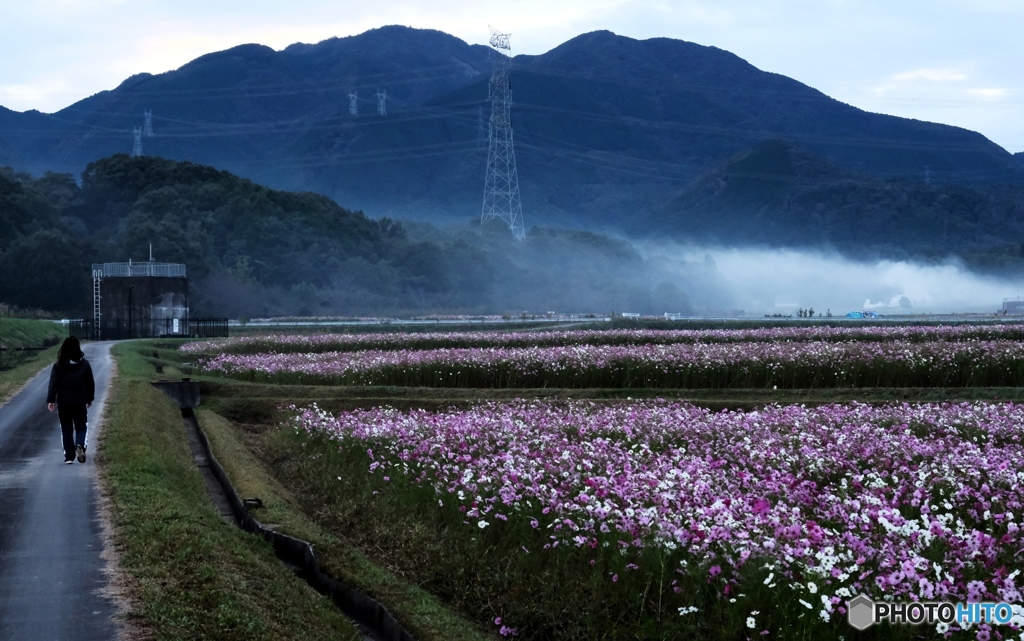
[139, 300]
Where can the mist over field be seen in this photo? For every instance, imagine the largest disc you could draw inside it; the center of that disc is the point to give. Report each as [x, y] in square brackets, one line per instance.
[781, 281]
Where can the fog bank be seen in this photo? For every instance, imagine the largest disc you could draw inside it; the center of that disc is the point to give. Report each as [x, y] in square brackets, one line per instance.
[770, 281]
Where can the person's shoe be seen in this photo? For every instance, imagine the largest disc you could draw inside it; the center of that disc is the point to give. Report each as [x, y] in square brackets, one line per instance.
[69, 461]
[80, 450]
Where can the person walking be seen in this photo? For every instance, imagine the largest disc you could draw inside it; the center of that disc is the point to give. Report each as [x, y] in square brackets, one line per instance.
[72, 390]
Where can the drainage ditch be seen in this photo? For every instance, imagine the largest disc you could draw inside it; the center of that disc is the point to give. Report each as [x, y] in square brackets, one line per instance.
[372, 618]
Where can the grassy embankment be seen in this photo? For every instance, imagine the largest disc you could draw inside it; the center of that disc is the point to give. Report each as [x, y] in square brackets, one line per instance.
[192, 575]
[18, 367]
[191, 566]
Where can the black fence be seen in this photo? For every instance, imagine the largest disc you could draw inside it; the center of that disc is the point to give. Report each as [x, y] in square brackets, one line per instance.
[161, 328]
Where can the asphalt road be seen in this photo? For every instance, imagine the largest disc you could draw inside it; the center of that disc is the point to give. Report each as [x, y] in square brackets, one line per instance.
[51, 574]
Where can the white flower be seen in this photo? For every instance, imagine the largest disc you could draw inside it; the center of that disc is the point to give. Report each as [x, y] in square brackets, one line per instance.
[687, 610]
[806, 604]
[771, 575]
[483, 524]
[813, 588]
[941, 628]
[750, 623]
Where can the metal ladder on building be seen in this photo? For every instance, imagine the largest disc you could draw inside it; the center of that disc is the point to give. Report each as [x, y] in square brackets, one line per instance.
[97, 276]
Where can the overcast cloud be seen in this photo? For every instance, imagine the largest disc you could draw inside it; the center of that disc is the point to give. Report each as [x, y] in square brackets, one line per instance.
[949, 61]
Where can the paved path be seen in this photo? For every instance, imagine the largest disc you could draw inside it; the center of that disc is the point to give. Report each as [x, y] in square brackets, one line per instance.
[51, 573]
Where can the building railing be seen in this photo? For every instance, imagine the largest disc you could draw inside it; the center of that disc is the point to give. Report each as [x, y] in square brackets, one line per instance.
[167, 270]
[153, 328]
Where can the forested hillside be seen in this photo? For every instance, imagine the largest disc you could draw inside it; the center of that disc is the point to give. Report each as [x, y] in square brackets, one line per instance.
[783, 196]
[254, 251]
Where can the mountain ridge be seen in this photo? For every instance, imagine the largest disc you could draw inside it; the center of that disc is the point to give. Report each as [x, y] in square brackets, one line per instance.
[609, 130]
[780, 195]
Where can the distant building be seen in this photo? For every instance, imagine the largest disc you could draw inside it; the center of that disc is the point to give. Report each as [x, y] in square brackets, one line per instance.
[1013, 306]
[139, 300]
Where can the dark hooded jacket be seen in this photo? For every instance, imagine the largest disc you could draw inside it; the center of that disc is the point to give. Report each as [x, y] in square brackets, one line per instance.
[71, 384]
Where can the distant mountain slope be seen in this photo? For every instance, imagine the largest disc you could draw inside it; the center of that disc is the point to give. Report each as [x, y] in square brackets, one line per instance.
[781, 195]
[608, 129]
[1019, 156]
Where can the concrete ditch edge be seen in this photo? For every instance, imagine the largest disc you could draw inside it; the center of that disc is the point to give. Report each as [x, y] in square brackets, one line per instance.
[299, 554]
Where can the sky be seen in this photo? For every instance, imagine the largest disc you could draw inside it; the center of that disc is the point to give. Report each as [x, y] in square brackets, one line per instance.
[951, 61]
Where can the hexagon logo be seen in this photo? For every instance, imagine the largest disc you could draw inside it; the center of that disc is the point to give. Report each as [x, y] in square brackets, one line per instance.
[860, 612]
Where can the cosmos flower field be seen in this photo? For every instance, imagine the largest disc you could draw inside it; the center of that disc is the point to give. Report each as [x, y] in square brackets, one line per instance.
[814, 505]
[316, 343]
[701, 524]
[810, 364]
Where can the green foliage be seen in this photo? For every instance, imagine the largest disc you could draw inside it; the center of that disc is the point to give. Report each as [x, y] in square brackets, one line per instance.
[23, 209]
[16, 367]
[253, 251]
[45, 269]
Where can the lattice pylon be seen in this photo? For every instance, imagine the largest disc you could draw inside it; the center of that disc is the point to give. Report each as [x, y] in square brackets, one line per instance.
[137, 147]
[501, 180]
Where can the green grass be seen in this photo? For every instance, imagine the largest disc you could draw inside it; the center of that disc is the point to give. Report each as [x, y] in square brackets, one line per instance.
[11, 380]
[20, 332]
[243, 452]
[258, 402]
[16, 368]
[193, 576]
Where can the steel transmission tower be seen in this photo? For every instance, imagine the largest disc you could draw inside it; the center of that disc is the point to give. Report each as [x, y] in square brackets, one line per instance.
[137, 148]
[147, 128]
[501, 182]
[481, 130]
[382, 97]
[353, 103]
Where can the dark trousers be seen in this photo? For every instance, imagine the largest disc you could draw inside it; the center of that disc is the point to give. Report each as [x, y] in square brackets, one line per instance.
[73, 416]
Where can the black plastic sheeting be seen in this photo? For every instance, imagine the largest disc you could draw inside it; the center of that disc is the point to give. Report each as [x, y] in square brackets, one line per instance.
[299, 554]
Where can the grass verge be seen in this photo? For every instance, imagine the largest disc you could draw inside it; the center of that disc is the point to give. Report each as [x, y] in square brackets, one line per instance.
[257, 402]
[21, 332]
[243, 453]
[193, 576]
[12, 380]
[16, 368]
